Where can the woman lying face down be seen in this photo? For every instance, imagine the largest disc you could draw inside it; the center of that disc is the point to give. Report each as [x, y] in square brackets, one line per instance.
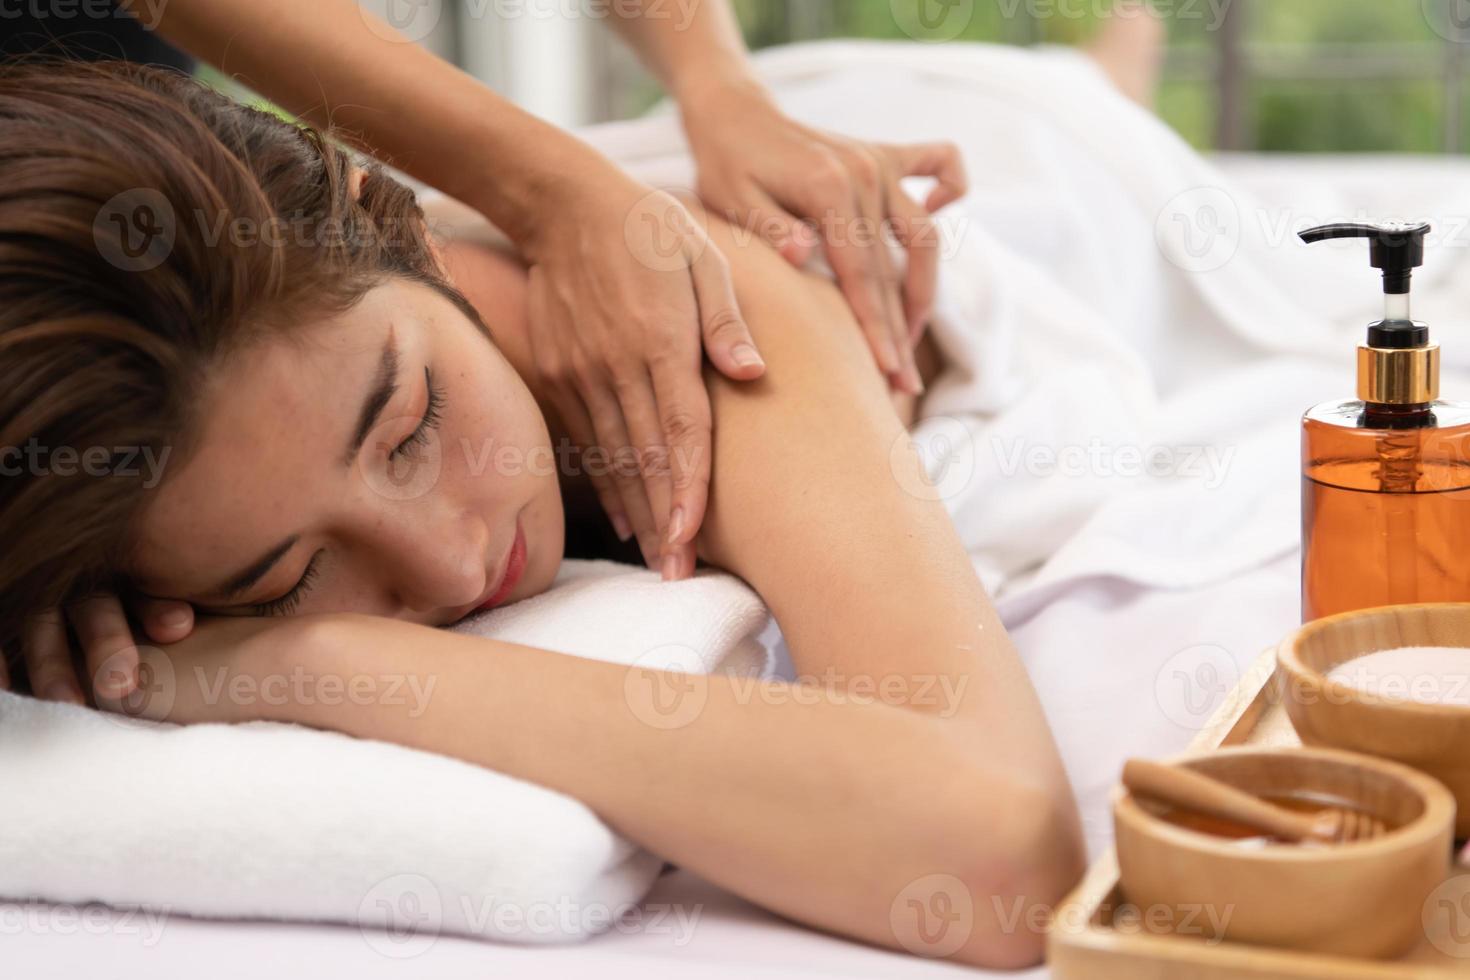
[351, 459]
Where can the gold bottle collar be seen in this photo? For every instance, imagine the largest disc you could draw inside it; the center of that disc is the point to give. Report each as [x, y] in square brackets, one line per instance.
[1398, 376]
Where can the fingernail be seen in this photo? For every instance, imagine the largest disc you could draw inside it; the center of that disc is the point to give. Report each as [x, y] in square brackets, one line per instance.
[916, 383]
[676, 526]
[671, 567]
[175, 618]
[747, 356]
[622, 528]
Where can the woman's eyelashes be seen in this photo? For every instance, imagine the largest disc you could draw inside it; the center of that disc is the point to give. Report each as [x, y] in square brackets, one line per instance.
[289, 602]
[432, 412]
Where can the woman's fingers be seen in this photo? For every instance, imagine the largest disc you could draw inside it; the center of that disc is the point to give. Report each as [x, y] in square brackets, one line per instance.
[942, 161]
[164, 620]
[110, 653]
[48, 659]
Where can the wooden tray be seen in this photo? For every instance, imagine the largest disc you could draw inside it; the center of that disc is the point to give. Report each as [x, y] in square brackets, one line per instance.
[1087, 941]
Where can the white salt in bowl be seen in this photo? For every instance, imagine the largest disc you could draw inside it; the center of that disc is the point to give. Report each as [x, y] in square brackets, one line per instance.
[1392, 682]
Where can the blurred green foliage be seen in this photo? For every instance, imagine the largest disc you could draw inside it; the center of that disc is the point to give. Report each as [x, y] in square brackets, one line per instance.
[1292, 101]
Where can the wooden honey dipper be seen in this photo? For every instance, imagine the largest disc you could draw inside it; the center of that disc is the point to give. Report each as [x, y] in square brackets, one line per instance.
[1190, 790]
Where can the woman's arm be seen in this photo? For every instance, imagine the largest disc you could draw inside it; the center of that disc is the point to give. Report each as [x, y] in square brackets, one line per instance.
[833, 808]
[829, 807]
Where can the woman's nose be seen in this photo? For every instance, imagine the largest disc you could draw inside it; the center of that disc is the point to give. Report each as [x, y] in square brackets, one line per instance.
[439, 563]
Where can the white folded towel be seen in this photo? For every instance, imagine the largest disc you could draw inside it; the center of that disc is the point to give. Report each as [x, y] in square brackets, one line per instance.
[264, 820]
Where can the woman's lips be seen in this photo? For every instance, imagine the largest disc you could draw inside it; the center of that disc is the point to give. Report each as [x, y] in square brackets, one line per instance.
[515, 567]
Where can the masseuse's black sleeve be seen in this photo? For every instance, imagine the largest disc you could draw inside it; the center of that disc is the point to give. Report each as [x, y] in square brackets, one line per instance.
[91, 30]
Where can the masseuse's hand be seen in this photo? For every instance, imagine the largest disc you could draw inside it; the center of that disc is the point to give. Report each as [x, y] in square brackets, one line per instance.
[626, 293]
[108, 652]
[775, 177]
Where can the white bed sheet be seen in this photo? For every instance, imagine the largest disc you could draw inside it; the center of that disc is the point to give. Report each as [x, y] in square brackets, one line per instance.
[1121, 671]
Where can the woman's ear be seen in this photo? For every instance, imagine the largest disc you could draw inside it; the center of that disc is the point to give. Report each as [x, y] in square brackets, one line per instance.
[355, 178]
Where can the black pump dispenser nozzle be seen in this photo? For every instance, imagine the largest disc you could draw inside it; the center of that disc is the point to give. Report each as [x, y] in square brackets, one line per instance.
[1397, 249]
[1398, 367]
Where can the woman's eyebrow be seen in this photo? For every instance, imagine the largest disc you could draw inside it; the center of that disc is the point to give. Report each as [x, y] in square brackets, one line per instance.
[385, 385]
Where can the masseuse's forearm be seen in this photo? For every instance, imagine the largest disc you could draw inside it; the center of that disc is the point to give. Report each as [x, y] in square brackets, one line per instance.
[823, 807]
[693, 48]
[321, 59]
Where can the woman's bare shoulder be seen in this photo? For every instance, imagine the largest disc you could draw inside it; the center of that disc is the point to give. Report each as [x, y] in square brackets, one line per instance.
[810, 437]
[769, 287]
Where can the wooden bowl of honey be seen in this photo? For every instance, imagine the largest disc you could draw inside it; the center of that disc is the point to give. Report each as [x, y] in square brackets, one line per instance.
[1392, 682]
[1219, 881]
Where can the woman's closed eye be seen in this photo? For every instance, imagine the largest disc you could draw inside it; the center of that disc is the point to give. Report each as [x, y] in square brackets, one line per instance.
[288, 603]
[432, 413]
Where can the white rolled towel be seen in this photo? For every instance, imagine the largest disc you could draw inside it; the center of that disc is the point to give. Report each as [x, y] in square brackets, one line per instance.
[272, 821]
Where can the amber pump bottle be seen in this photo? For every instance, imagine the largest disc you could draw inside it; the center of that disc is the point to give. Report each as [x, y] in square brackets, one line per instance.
[1386, 477]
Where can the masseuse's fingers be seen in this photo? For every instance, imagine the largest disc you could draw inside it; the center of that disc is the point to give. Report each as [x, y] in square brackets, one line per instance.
[785, 232]
[579, 427]
[685, 423]
[48, 659]
[107, 643]
[164, 620]
[871, 186]
[727, 338]
[610, 431]
[858, 272]
[583, 432]
[640, 414]
[919, 235]
[566, 400]
[942, 161]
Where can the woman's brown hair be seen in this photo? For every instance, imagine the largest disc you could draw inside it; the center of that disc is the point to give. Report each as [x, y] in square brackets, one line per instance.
[148, 227]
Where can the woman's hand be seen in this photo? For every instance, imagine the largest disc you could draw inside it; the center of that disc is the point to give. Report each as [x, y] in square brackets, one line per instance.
[626, 293]
[229, 669]
[108, 653]
[775, 177]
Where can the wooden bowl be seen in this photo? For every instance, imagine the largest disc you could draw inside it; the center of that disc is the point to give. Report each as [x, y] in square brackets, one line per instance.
[1360, 899]
[1433, 738]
